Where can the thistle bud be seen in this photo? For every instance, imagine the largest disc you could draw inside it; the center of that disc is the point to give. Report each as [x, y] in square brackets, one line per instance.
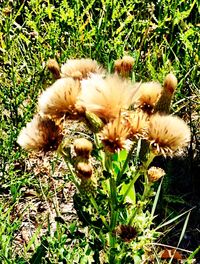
[54, 68]
[164, 102]
[84, 170]
[124, 66]
[95, 123]
[170, 83]
[155, 173]
[82, 147]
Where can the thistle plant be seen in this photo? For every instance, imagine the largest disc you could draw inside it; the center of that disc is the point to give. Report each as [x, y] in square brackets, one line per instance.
[115, 183]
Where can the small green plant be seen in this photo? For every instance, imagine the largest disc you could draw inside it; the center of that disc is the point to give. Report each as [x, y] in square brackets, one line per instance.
[111, 166]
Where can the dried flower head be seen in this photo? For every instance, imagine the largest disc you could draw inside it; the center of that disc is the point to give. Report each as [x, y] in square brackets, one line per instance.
[126, 232]
[137, 122]
[84, 170]
[167, 134]
[80, 68]
[155, 173]
[54, 68]
[124, 66]
[40, 134]
[114, 135]
[164, 102]
[106, 97]
[82, 147]
[60, 98]
[148, 95]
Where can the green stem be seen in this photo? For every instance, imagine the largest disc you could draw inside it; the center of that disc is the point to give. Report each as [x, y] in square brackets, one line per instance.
[93, 202]
[146, 164]
[147, 184]
[72, 174]
[146, 192]
[113, 216]
[113, 203]
[101, 153]
[132, 217]
[125, 164]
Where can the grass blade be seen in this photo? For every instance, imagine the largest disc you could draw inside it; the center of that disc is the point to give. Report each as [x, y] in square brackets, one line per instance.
[174, 219]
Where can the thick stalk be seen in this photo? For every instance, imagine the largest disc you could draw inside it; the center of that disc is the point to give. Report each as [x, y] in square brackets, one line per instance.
[147, 185]
[113, 216]
[125, 164]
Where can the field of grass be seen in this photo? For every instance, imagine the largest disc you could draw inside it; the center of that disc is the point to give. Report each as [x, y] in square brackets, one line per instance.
[162, 37]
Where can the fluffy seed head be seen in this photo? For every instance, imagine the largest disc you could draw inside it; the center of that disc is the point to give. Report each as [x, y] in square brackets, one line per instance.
[114, 135]
[80, 68]
[148, 95]
[60, 98]
[137, 122]
[167, 134]
[106, 97]
[84, 170]
[82, 147]
[41, 134]
[124, 66]
[54, 68]
[155, 173]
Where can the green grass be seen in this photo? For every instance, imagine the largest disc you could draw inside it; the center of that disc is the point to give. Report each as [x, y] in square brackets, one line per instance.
[163, 37]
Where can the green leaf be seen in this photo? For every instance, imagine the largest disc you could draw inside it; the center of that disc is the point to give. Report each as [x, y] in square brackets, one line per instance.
[173, 219]
[40, 253]
[128, 192]
[34, 237]
[137, 259]
[122, 155]
[156, 199]
[182, 234]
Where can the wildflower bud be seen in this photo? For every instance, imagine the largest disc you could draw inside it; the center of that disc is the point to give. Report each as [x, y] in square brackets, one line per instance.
[95, 123]
[80, 68]
[164, 102]
[126, 232]
[54, 68]
[170, 83]
[65, 148]
[155, 173]
[124, 66]
[84, 170]
[82, 147]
